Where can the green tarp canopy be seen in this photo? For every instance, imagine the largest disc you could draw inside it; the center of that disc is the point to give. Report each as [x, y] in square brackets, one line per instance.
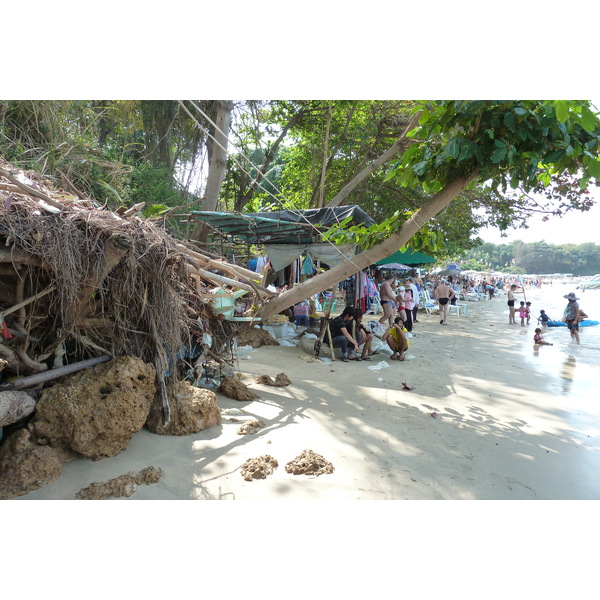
[407, 258]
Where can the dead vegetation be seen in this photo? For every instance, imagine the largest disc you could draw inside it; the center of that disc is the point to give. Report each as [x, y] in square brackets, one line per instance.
[79, 282]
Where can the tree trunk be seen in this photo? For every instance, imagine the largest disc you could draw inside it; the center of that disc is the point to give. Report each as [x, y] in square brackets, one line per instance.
[396, 147]
[218, 160]
[217, 164]
[361, 261]
[324, 166]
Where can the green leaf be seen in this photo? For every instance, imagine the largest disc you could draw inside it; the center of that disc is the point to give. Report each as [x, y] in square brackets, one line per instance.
[498, 155]
[421, 167]
[562, 110]
[588, 120]
[452, 149]
[509, 120]
[594, 169]
[553, 157]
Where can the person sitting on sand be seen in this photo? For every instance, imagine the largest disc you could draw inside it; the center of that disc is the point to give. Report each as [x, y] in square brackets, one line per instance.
[538, 339]
[340, 336]
[396, 339]
[362, 336]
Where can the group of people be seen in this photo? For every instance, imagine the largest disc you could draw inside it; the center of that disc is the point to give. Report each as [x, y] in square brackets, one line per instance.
[348, 333]
[572, 315]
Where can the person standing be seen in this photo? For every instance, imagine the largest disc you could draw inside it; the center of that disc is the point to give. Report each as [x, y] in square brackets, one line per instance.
[443, 293]
[408, 306]
[387, 298]
[415, 286]
[571, 315]
[511, 305]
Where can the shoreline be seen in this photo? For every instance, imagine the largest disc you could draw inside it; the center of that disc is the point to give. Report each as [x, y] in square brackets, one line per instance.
[487, 419]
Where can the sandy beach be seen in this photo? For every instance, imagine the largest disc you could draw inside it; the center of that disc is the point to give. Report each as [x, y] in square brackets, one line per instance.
[490, 417]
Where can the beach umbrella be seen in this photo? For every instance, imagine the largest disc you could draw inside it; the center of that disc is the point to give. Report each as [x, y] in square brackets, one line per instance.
[394, 267]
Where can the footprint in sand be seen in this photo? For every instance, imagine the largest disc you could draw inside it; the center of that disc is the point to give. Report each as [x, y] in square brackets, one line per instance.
[513, 485]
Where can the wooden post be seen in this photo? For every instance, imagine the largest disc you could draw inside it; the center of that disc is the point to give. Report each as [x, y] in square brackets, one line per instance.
[330, 342]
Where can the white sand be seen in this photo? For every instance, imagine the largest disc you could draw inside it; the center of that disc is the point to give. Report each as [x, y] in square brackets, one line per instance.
[509, 424]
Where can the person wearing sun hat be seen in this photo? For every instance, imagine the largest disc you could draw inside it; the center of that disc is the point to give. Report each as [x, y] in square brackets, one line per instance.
[571, 315]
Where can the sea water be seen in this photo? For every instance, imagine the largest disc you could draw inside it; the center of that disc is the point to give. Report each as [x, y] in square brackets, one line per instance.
[571, 369]
[550, 299]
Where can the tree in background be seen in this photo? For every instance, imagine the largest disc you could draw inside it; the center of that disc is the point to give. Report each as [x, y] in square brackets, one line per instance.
[521, 144]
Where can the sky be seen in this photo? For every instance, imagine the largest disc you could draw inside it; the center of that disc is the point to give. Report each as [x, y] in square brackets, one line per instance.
[573, 228]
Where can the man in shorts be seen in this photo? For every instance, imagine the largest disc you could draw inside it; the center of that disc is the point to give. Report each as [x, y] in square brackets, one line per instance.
[387, 297]
[572, 315]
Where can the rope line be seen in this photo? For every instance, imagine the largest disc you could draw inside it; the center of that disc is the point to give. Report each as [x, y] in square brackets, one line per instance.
[257, 169]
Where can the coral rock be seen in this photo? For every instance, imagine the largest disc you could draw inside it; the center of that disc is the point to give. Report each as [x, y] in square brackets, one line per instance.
[25, 466]
[192, 410]
[95, 412]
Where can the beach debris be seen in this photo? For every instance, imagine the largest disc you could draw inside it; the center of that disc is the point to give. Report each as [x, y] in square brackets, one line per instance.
[310, 359]
[255, 337]
[309, 463]
[14, 406]
[434, 415]
[192, 410]
[250, 427]
[122, 486]
[26, 466]
[259, 468]
[380, 365]
[234, 420]
[231, 411]
[232, 388]
[281, 380]
[407, 387]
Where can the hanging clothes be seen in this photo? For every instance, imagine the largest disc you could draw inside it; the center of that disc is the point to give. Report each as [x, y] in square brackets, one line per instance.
[308, 268]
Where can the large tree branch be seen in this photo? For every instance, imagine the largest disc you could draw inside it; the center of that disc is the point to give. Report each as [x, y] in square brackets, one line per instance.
[361, 261]
[396, 147]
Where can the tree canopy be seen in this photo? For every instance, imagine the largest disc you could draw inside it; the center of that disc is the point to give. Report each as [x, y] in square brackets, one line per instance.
[431, 173]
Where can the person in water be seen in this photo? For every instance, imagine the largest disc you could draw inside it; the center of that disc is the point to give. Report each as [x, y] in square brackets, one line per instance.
[571, 315]
[538, 339]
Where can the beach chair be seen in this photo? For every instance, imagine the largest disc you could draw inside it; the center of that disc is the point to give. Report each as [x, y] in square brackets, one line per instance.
[458, 307]
[426, 302]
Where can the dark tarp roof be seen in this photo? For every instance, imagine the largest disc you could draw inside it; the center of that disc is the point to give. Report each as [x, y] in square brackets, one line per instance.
[281, 227]
[408, 258]
[319, 216]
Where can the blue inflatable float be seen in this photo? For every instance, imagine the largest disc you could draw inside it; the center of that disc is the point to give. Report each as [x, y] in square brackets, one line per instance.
[584, 323]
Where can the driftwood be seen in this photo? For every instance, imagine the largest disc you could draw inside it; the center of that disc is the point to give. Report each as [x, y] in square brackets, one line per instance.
[14, 406]
[27, 382]
[81, 283]
[22, 187]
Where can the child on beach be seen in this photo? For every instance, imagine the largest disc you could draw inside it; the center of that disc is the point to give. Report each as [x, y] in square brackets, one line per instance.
[522, 313]
[543, 319]
[538, 339]
[396, 339]
[528, 307]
